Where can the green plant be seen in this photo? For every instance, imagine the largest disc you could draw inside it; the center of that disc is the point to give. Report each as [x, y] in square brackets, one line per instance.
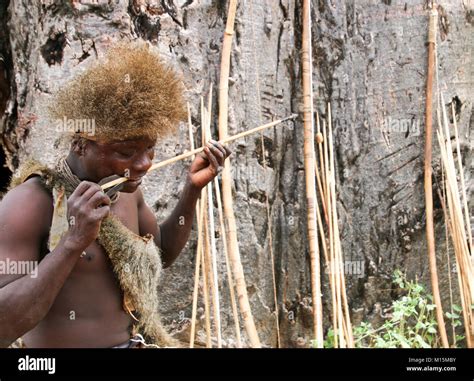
[329, 341]
[455, 317]
[412, 323]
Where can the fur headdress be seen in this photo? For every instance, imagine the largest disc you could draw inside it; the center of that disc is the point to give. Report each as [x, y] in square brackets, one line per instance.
[129, 94]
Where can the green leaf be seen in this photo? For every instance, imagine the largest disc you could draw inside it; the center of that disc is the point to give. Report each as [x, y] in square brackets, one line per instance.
[380, 343]
[452, 315]
[420, 325]
[457, 308]
[420, 341]
[403, 342]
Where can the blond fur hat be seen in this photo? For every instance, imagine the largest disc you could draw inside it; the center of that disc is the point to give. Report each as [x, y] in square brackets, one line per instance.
[130, 93]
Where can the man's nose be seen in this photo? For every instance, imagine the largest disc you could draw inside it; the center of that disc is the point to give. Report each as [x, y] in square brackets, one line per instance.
[142, 165]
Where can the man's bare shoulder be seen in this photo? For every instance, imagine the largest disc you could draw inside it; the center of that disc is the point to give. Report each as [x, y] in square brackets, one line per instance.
[28, 205]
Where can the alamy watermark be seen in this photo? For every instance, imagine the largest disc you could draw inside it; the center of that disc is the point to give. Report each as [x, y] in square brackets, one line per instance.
[355, 268]
[45, 364]
[11, 267]
[401, 125]
[84, 126]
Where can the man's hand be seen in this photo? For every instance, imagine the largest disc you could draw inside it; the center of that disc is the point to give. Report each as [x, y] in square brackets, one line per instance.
[208, 164]
[87, 207]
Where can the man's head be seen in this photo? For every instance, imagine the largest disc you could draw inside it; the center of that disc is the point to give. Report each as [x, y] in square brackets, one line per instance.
[132, 99]
[130, 158]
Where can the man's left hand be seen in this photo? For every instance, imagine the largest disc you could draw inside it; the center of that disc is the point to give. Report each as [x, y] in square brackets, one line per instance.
[208, 164]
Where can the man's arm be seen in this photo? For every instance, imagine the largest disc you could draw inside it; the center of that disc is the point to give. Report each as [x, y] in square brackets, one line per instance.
[25, 300]
[171, 236]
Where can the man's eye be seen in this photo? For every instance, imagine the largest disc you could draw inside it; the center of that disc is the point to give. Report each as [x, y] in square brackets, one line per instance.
[127, 154]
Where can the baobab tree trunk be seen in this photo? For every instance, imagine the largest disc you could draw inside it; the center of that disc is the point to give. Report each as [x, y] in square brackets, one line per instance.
[369, 61]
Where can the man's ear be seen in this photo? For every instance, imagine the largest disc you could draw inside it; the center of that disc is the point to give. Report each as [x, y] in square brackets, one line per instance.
[79, 145]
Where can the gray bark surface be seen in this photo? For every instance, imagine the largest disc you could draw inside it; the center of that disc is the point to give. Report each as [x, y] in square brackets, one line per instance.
[369, 61]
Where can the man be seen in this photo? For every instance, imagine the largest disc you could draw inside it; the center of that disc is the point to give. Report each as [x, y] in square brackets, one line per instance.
[97, 273]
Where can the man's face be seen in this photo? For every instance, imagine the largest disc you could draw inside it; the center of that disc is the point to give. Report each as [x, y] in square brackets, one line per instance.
[127, 158]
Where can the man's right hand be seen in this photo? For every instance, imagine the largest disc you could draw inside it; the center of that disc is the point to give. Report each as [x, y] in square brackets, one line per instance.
[87, 206]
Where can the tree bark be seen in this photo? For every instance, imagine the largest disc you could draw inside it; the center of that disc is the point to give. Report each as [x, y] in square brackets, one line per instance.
[369, 61]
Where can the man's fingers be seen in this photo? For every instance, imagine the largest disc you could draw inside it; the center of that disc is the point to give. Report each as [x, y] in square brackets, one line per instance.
[98, 199]
[218, 154]
[82, 188]
[88, 194]
[101, 213]
[225, 151]
[212, 159]
[203, 155]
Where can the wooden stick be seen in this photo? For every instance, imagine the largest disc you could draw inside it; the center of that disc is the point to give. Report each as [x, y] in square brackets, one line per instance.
[457, 205]
[206, 273]
[335, 236]
[461, 175]
[208, 236]
[326, 168]
[272, 262]
[331, 264]
[227, 264]
[320, 179]
[462, 273]
[443, 197]
[453, 181]
[343, 296]
[233, 247]
[196, 279]
[309, 160]
[456, 225]
[198, 150]
[433, 21]
[205, 270]
[200, 221]
[215, 284]
[224, 243]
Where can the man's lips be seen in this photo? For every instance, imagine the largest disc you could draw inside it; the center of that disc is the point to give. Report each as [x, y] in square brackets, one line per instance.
[135, 181]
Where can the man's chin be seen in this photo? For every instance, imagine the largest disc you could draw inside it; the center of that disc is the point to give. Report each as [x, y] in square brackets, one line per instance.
[130, 186]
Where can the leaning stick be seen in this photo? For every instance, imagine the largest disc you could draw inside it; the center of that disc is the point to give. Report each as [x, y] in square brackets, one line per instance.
[206, 274]
[320, 181]
[205, 271]
[210, 203]
[224, 244]
[464, 273]
[272, 257]
[309, 161]
[200, 221]
[185, 155]
[335, 235]
[459, 236]
[461, 175]
[233, 247]
[433, 21]
[332, 274]
[196, 282]
[443, 198]
[343, 296]
[209, 232]
[233, 302]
